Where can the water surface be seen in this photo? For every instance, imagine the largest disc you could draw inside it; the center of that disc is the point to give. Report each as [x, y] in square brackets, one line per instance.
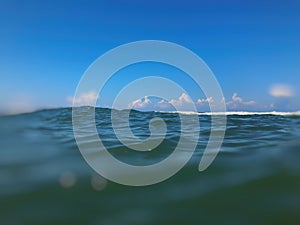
[255, 179]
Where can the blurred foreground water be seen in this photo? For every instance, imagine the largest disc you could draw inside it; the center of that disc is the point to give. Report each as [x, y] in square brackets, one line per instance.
[255, 179]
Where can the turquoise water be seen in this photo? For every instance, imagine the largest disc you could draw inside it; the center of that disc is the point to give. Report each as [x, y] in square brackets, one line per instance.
[255, 179]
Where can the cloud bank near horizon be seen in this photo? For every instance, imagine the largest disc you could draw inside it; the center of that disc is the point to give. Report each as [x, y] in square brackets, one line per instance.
[184, 102]
[283, 100]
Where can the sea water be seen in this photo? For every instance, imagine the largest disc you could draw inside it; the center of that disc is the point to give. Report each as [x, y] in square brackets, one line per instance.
[255, 178]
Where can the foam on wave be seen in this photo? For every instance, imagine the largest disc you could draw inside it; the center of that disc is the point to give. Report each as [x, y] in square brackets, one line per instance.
[237, 113]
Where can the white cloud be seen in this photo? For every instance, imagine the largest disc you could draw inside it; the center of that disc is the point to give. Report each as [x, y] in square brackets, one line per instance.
[140, 103]
[235, 98]
[163, 104]
[84, 99]
[281, 90]
[184, 99]
[250, 102]
[205, 100]
[238, 102]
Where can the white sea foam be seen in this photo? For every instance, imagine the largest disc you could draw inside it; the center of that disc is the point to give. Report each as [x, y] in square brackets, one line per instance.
[238, 113]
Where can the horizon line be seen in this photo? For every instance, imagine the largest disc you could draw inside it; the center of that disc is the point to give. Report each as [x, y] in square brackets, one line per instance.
[230, 112]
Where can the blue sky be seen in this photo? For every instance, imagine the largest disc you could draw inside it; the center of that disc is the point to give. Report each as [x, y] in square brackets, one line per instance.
[252, 47]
